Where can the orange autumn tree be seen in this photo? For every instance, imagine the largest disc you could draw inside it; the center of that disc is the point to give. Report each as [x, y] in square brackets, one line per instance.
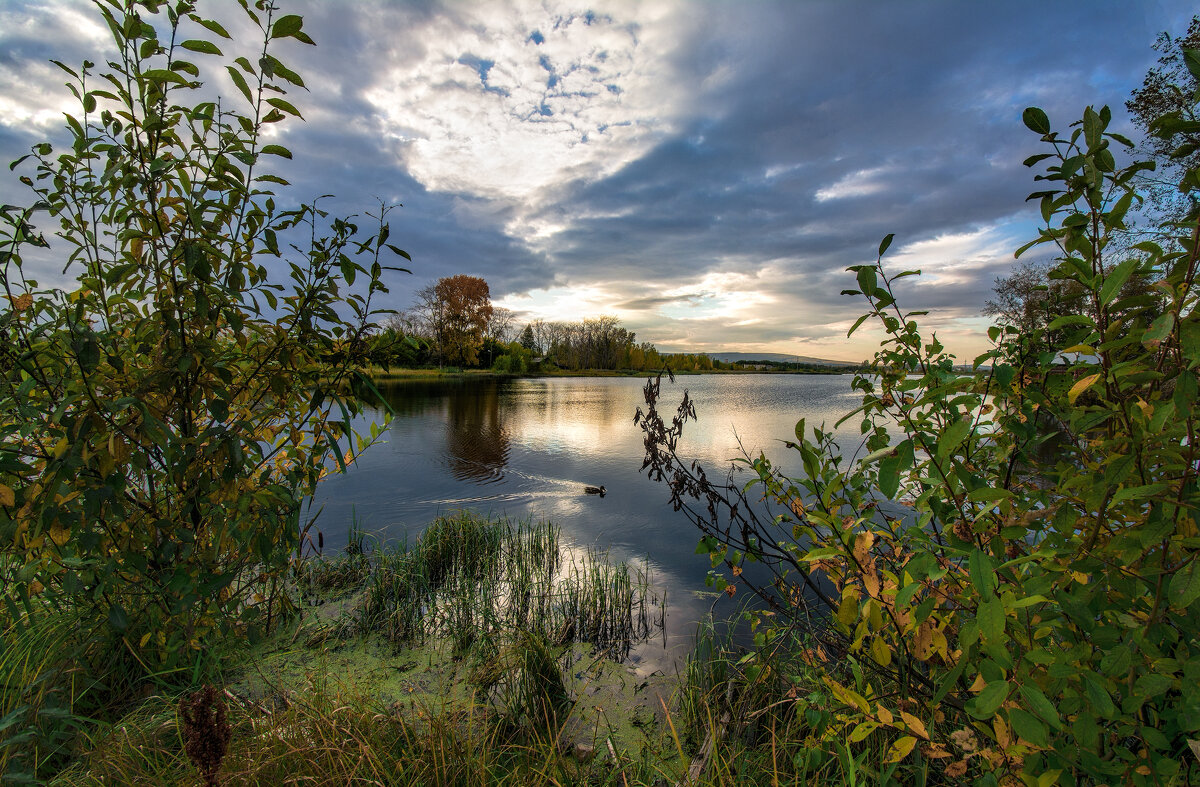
[462, 307]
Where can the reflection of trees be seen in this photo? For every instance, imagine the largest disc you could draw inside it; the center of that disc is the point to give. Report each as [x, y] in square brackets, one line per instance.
[476, 442]
[411, 398]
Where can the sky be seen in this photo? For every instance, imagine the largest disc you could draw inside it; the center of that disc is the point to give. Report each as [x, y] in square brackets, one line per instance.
[705, 171]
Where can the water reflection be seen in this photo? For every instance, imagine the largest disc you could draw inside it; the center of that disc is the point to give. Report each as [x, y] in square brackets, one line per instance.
[527, 449]
[477, 443]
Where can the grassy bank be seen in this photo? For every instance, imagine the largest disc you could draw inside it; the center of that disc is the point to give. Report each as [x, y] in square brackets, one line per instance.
[487, 651]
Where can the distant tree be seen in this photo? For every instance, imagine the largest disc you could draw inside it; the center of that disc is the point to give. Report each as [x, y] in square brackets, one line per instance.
[1026, 298]
[542, 336]
[1166, 93]
[527, 340]
[500, 324]
[461, 310]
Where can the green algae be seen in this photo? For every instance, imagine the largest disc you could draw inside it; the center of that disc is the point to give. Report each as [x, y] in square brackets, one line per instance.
[480, 620]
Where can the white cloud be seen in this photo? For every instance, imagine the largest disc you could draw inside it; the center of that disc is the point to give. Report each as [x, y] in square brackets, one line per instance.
[31, 92]
[862, 183]
[949, 259]
[486, 110]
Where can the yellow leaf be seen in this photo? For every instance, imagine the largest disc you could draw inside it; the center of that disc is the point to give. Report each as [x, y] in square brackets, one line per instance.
[144, 640]
[59, 534]
[922, 647]
[863, 729]
[1002, 735]
[901, 748]
[915, 725]
[7, 497]
[848, 696]
[61, 448]
[871, 580]
[862, 546]
[1078, 388]
[881, 652]
[884, 715]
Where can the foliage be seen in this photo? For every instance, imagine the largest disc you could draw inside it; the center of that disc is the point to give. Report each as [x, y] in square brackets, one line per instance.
[514, 358]
[165, 415]
[1168, 88]
[1037, 595]
[462, 310]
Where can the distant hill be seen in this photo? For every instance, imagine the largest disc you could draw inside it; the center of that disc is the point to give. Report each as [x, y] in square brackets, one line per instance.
[780, 357]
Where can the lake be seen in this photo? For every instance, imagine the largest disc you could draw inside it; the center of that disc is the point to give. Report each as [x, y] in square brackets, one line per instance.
[527, 447]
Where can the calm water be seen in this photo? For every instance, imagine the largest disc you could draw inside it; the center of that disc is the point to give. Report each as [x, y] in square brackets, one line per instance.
[527, 448]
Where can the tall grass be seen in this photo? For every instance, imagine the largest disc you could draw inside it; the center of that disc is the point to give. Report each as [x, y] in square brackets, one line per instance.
[43, 689]
[470, 577]
[767, 717]
[334, 737]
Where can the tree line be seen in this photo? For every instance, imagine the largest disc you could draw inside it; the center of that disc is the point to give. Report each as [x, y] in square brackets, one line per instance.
[452, 322]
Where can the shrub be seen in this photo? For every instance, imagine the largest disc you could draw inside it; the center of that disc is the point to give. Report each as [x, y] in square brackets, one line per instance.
[164, 417]
[1034, 611]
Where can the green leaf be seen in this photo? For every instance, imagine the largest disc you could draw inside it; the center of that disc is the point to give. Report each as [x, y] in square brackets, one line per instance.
[1035, 120]
[286, 26]
[887, 241]
[214, 27]
[1152, 684]
[280, 104]
[163, 75]
[989, 495]
[1093, 128]
[1185, 394]
[1069, 319]
[1191, 58]
[890, 467]
[983, 576]
[1029, 727]
[204, 47]
[1117, 661]
[240, 82]
[953, 437]
[1159, 329]
[1185, 585]
[118, 618]
[1039, 704]
[867, 279]
[1101, 700]
[277, 150]
[1116, 279]
[989, 700]
[991, 619]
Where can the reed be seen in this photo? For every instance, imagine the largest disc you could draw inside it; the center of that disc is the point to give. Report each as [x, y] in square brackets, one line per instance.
[469, 577]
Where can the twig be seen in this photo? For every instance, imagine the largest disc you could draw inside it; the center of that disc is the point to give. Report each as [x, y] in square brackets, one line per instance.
[620, 768]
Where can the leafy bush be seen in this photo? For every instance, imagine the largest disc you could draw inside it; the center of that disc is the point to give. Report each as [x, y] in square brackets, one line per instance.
[515, 360]
[1034, 611]
[164, 417]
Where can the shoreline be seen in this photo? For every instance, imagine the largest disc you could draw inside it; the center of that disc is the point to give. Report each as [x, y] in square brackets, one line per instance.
[378, 374]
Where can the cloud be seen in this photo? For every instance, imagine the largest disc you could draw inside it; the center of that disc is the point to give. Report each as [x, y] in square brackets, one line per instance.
[704, 171]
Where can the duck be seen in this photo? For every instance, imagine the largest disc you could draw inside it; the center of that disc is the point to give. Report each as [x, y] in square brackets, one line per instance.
[595, 490]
